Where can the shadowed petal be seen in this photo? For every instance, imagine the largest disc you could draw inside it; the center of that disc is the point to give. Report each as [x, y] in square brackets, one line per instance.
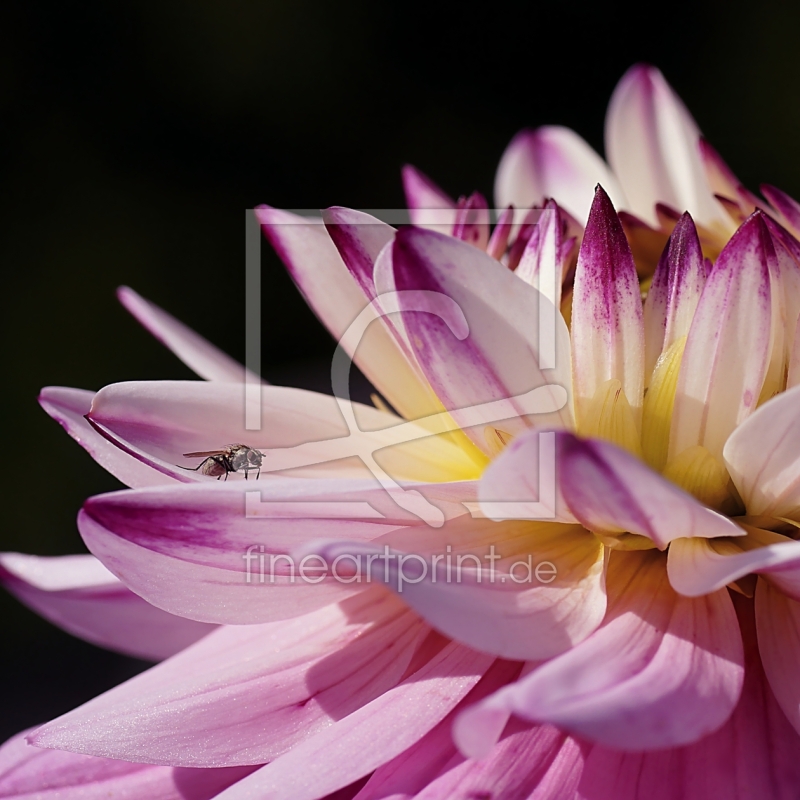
[652, 144]
[315, 265]
[609, 490]
[379, 731]
[552, 161]
[787, 206]
[727, 351]
[607, 327]
[246, 694]
[82, 597]
[763, 457]
[30, 773]
[495, 358]
[672, 668]
[197, 353]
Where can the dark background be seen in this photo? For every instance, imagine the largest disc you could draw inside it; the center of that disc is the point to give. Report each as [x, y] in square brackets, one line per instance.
[134, 134]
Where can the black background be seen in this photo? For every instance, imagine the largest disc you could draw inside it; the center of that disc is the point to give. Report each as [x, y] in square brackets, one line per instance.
[134, 134]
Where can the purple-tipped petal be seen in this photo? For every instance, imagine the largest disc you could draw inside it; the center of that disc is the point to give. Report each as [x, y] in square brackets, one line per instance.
[378, 732]
[498, 241]
[69, 408]
[674, 292]
[541, 263]
[315, 265]
[472, 221]
[672, 667]
[428, 206]
[754, 755]
[723, 182]
[729, 343]
[247, 694]
[787, 206]
[552, 162]
[496, 357]
[31, 773]
[607, 327]
[653, 145]
[82, 597]
[521, 591]
[609, 490]
[197, 353]
[763, 458]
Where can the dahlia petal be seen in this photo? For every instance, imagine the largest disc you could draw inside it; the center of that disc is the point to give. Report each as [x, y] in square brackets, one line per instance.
[428, 205]
[727, 351]
[652, 144]
[793, 371]
[516, 608]
[787, 206]
[82, 597]
[69, 408]
[497, 360]
[472, 221]
[552, 161]
[30, 773]
[247, 694]
[159, 421]
[754, 755]
[778, 627]
[607, 326]
[674, 293]
[196, 550]
[202, 357]
[723, 182]
[696, 568]
[521, 483]
[354, 746]
[541, 262]
[672, 667]
[319, 272]
[609, 490]
[763, 457]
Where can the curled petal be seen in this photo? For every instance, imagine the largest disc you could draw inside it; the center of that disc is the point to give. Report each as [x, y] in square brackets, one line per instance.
[80, 595]
[672, 668]
[609, 490]
[722, 371]
[552, 161]
[653, 144]
[763, 457]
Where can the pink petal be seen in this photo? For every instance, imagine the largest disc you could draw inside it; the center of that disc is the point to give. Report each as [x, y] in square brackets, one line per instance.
[497, 358]
[541, 264]
[652, 144]
[159, 421]
[319, 272]
[763, 457]
[754, 755]
[778, 626]
[379, 731]
[492, 585]
[607, 327]
[30, 773]
[498, 242]
[723, 182]
[672, 668]
[787, 206]
[195, 550]
[247, 694]
[197, 353]
[552, 162]
[82, 597]
[608, 489]
[472, 221]
[69, 408]
[428, 205]
[727, 350]
[674, 292]
[695, 568]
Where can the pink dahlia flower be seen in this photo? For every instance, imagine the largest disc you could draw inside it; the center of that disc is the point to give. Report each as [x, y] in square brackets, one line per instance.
[629, 468]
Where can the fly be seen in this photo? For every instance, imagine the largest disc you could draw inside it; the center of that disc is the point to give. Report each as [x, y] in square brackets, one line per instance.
[233, 458]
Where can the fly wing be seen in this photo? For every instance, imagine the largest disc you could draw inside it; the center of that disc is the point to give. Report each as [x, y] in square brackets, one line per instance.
[204, 454]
